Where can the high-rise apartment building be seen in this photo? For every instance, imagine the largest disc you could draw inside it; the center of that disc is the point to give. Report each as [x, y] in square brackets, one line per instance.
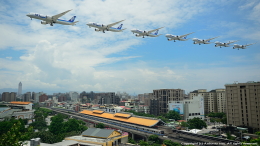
[8, 97]
[27, 96]
[164, 96]
[19, 93]
[214, 100]
[243, 104]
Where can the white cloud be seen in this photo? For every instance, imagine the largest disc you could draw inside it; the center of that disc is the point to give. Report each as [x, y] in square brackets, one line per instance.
[71, 57]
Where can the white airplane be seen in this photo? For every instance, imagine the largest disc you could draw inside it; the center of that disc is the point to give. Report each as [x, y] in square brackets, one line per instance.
[53, 19]
[241, 46]
[202, 41]
[140, 33]
[220, 44]
[171, 37]
[102, 27]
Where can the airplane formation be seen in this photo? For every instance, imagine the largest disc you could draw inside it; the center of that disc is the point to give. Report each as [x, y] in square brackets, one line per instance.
[138, 33]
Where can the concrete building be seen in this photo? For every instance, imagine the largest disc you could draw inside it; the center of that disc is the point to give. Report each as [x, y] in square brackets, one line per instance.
[74, 96]
[43, 98]
[189, 109]
[104, 137]
[18, 110]
[214, 100]
[8, 96]
[243, 102]
[154, 107]
[147, 98]
[27, 96]
[37, 97]
[19, 93]
[163, 96]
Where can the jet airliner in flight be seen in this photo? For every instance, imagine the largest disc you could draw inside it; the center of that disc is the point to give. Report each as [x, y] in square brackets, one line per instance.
[220, 44]
[108, 27]
[53, 19]
[202, 41]
[149, 33]
[236, 46]
[171, 37]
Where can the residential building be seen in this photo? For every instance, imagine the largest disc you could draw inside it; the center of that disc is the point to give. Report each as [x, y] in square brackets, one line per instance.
[27, 96]
[243, 102]
[8, 96]
[43, 98]
[214, 100]
[163, 96]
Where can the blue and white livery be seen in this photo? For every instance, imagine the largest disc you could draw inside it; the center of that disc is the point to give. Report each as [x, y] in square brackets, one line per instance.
[202, 41]
[53, 19]
[220, 44]
[108, 27]
[171, 37]
[150, 33]
[236, 46]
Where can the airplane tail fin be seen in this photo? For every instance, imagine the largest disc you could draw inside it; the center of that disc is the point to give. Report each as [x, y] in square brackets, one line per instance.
[156, 33]
[72, 19]
[120, 26]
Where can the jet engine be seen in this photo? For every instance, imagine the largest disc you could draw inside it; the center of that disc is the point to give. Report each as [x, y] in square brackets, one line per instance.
[96, 29]
[44, 22]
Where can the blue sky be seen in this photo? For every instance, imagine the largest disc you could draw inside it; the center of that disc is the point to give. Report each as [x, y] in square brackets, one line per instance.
[76, 58]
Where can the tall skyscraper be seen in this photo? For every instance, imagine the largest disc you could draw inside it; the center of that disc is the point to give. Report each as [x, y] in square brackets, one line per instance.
[19, 89]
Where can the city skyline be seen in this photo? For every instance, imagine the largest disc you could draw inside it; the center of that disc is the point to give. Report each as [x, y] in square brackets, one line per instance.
[76, 58]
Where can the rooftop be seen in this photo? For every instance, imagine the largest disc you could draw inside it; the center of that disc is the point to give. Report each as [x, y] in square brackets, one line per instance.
[132, 120]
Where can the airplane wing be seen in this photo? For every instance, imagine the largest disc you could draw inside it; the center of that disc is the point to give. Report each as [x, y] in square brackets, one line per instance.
[154, 30]
[185, 35]
[250, 44]
[112, 24]
[55, 17]
[230, 42]
[211, 38]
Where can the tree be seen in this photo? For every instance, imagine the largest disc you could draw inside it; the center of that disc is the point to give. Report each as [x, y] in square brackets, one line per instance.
[56, 126]
[48, 137]
[184, 124]
[143, 143]
[130, 140]
[154, 138]
[16, 135]
[173, 115]
[196, 123]
[40, 125]
[257, 140]
[170, 143]
[100, 125]
[74, 125]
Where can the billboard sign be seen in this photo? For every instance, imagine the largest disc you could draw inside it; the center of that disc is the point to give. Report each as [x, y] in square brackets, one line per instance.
[176, 107]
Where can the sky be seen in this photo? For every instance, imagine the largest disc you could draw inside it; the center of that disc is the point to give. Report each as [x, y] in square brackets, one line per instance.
[64, 58]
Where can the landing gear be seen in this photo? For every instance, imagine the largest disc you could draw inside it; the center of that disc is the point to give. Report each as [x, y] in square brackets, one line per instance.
[174, 41]
[31, 18]
[51, 24]
[103, 31]
[143, 36]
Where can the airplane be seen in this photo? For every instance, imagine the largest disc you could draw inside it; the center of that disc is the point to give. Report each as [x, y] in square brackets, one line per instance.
[171, 37]
[220, 44]
[202, 41]
[53, 19]
[102, 27]
[241, 46]
[140, 33]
